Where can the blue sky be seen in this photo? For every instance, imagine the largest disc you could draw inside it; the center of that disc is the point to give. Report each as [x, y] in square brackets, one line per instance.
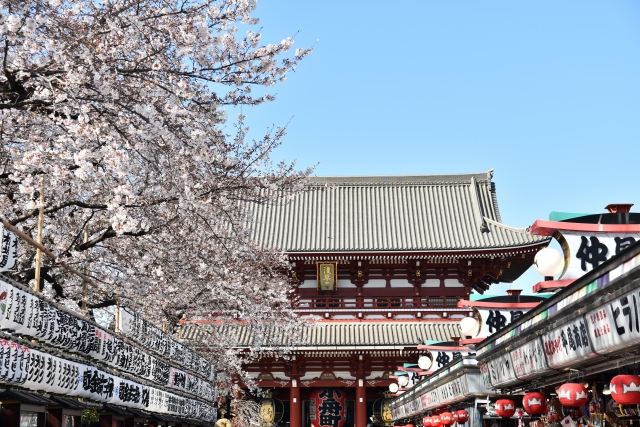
[546, 93]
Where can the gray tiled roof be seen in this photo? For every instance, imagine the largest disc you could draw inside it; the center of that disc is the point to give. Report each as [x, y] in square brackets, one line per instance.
[333, 334]
[389, 213]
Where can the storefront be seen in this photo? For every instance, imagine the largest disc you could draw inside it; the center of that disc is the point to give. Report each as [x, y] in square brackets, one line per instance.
[576, 356]
[450, 395]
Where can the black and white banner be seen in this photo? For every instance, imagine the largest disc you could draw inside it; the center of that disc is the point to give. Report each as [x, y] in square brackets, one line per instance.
[28, 315]
[134, 326]
[39, 371]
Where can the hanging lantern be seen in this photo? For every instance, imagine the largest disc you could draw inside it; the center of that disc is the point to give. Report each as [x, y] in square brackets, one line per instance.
[446, 418]
[461, 416]
[535, 403]
[328, 402]
[426, 421]
[625, 389]
[436, 421]
[505, 408]
[572, 394]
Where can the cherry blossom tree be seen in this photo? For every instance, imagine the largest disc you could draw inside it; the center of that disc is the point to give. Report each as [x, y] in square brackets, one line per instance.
[118, 109]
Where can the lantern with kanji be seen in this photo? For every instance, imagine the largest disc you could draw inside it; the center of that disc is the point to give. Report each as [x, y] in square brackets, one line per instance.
[461, 416]
[329, 406]
[436, 421]
[446, 418]
[625, 389]
[505, 408]
[572, 394]
[535, 403]
[426, 421]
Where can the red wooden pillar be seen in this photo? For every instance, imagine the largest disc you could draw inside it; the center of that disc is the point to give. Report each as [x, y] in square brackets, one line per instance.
[106, 420]
[361, 396]
[54, 417]
[295, 406]
[11, 415]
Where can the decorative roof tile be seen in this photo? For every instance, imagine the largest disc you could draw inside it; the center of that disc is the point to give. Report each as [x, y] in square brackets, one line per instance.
[389, 213]
[332, 334]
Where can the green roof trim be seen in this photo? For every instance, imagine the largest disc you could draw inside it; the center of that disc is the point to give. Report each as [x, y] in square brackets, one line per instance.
[563, 216]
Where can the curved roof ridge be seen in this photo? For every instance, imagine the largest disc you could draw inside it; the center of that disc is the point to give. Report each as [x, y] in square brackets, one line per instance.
[523, 230]
[403, 179]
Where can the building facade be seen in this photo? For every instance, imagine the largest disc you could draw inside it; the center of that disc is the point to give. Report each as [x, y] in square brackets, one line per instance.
[381, 263]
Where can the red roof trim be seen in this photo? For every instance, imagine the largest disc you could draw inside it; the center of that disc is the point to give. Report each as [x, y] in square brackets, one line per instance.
[547, 228]
[466, 303]
[551, 284]
[443, 348]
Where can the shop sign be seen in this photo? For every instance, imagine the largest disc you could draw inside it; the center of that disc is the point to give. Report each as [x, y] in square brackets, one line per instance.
[529, 359]
[496, 320]
[567, 344]
[615, 325]
[443, 358]
[501, 370]
[586, 251]
[329, 406]
[484, 373]
[453, 390]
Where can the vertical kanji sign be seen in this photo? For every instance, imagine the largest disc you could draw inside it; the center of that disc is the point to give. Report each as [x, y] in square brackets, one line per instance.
[327, 276]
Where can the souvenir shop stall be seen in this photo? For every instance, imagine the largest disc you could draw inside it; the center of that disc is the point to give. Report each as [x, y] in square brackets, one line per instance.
[448, 396]
[573, 360]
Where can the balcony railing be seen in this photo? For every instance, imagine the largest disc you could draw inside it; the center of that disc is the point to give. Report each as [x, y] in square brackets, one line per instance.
[375, 303]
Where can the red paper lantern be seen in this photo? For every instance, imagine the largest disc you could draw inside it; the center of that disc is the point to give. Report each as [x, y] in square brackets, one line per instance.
[572, 394]
[426, 421]
[505, 408]
[625, 389]
[535, 403]
[436, 421]
[446, 418]
[329, 401]
[461, 416]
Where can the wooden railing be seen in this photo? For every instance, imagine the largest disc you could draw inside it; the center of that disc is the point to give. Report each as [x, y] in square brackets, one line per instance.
[375, 303]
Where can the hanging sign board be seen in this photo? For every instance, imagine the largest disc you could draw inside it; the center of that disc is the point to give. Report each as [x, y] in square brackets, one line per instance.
[453, 390]
[615, 325]
[567, 344]
[484, 373]
[327, 276]
[493, 321]
[586, 251]
[529, 359]
[501, 370]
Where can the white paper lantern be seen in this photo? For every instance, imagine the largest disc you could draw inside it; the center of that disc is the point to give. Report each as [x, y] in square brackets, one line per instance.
[549, 262]
[424, 362]
[469, 327]
[403, 380]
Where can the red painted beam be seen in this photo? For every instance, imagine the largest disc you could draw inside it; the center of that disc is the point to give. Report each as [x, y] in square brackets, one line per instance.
[547, 228]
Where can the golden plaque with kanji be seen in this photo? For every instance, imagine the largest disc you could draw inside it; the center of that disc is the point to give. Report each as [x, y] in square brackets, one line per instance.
[327, 276]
